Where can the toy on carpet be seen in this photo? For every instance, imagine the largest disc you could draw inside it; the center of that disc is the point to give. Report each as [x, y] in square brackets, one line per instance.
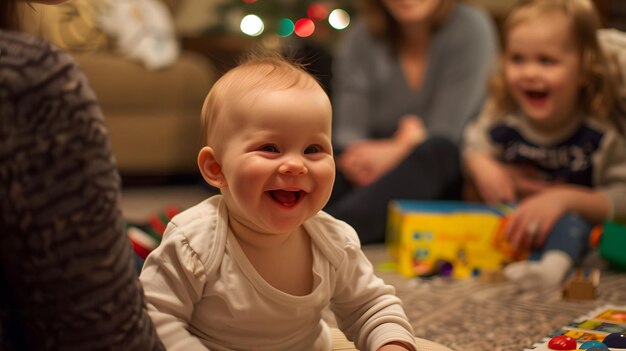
[146, 237]
[610, 239]
[583, 285]
[603, 329]
[447, 238]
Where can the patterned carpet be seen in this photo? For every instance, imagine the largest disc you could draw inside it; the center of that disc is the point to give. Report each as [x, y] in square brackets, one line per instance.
[468, 315]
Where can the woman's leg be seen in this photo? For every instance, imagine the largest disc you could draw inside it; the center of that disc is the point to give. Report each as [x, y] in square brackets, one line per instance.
[431, 171]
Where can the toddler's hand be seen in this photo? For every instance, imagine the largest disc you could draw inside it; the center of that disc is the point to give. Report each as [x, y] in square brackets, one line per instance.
[529, 224]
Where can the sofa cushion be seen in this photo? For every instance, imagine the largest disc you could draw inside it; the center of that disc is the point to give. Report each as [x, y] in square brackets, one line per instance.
[120, 83]
[153, 116]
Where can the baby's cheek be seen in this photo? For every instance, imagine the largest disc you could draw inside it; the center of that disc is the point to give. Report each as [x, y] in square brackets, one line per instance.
[327, 176]
[329, 169]
[251, 176]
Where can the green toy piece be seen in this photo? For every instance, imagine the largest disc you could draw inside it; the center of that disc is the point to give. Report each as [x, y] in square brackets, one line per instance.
[611, 241]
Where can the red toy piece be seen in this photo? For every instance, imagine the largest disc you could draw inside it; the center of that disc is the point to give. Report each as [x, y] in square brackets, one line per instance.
[562, 342]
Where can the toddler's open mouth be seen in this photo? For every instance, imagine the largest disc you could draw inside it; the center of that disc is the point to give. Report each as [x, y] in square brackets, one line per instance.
[286, 198]
[536, 96]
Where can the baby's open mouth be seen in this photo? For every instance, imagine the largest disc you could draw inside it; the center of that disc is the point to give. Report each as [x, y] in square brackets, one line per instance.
[285, 197]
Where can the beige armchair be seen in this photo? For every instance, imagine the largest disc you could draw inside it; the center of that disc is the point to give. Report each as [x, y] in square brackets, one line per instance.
[152, 115]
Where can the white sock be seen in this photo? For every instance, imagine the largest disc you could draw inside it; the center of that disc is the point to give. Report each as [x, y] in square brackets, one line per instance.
[546, 273]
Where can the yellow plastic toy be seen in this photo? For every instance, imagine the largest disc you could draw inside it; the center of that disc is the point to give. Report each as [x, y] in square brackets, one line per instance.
[446, 237]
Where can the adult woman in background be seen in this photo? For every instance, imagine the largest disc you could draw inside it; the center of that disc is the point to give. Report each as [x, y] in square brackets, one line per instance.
[406, 79]
[67, 276]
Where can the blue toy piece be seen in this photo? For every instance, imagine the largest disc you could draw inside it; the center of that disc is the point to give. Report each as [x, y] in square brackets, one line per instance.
[593, 345]
[615, 340]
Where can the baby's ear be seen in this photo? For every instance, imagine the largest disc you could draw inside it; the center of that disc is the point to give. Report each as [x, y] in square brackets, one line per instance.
[210, 168]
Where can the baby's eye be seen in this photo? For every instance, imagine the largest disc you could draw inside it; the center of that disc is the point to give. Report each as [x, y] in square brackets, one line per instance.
[269, 148]
[312, 149]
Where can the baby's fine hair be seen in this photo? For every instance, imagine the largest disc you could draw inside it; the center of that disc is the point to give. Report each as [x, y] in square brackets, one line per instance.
[257, 72]
[599, 96]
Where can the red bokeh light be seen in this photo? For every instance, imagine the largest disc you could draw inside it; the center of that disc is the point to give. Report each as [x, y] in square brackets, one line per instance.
[317, 11]
[304, 27]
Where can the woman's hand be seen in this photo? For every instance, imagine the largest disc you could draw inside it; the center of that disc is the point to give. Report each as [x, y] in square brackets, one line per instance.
[366, 161]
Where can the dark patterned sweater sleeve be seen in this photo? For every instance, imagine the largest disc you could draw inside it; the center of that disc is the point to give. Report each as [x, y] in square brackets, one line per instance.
[67, 279]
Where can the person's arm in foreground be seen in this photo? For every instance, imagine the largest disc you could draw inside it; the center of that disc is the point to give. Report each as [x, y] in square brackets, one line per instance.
[68, 273]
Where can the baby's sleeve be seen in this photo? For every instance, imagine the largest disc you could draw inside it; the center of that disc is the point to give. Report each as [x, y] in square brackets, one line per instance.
[173, 278]
[367, 310]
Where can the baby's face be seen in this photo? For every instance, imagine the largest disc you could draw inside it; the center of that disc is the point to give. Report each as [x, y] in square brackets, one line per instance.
[278, 164]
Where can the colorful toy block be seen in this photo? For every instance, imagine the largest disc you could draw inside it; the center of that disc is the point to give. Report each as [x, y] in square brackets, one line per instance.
[582, 285]
[446, 237]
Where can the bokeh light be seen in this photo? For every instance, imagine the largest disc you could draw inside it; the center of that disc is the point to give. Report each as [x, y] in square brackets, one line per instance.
[339, 19]
[252, 25]
[285, 27]
[317, 11]
[249, 1]
[304, 27]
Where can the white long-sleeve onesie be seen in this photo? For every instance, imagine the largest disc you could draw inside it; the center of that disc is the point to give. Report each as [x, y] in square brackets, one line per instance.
[203, 293]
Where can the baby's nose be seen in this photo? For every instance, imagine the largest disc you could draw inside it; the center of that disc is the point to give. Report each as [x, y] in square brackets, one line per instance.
[293, 166]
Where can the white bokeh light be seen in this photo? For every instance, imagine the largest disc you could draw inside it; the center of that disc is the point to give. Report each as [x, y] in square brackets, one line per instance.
[252, 25]
[339, 19]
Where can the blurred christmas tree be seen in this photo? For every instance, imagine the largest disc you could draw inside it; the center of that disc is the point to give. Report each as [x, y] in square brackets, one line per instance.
[276, 22]
[306, 30]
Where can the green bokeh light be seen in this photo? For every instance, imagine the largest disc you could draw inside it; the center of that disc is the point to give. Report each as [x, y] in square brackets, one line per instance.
[285, 27]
